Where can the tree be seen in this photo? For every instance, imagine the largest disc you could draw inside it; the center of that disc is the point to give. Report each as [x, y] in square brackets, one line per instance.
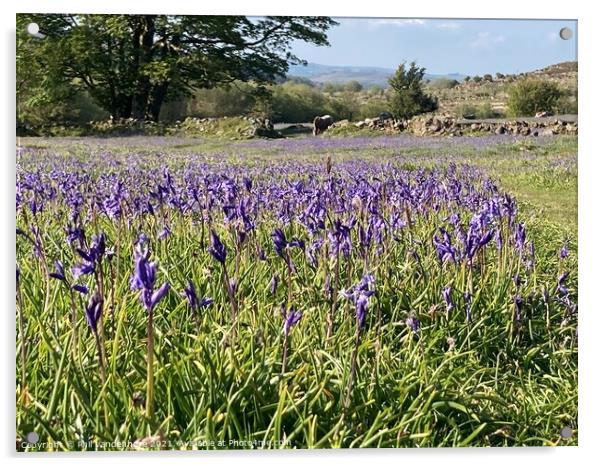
[131, 64]
[353, 86]
[443, 83]
[477, 79]
[408, 97]
[487, 77]
[526, 97]
[294, 103]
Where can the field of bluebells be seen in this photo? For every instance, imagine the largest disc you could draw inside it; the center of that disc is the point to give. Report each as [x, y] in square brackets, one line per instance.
[307, 293]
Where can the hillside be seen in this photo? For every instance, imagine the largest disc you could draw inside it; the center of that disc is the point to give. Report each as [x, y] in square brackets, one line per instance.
[367, 76]
[492, 94]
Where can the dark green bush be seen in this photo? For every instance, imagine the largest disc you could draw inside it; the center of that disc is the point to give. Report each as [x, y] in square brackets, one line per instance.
[526, 97]
[408, 97]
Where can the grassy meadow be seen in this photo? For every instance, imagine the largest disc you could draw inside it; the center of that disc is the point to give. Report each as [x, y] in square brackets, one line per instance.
[390, 291]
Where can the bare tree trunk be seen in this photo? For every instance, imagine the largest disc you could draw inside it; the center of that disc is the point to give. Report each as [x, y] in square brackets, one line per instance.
[144, 37]
[156, 101]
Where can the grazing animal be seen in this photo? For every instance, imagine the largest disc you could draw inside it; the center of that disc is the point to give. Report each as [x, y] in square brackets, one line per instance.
[321, 123]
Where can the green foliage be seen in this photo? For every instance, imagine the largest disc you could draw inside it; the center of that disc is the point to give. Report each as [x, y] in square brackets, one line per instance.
[353, 86]
[299, 80]
[528, 96]
[443, 83]
[330, 88]
[350, 86]
[487, 77]
[481, 111]
[568, 103]
[477, 79]
[492, 382]
[372, 108]
[131, 64]
[294, 103]
[343, 107]
[236, 99]
[408, 97]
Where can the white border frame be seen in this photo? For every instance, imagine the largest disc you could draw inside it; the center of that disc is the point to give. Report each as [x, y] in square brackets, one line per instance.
[589, 237]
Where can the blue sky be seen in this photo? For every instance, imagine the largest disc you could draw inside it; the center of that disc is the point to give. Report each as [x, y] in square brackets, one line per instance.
[445, 45]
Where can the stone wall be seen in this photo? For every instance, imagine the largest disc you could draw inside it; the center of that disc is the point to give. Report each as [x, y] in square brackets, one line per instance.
[451, 126]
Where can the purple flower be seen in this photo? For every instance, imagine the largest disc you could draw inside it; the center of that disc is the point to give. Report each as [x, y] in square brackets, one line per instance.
[449, 304]
[498, 239]
[144, 271]
[485, 238]
[144, 278]
[360, 296]
[274, 284]
[340, 239]
[94, 311]
[92, 257]
[361, 307]
[193, 299]
[292, 318]
[82, 269]
[413, 323]
[520, 236]
[191, 296]
[164, 233]
[445, 250]
[158, 295]
[279, 240]
[83, 289]
[59, 274]
[232, 286]
[468, 304]
[564, 252]
[217, 249]
[205, 302]
[281, 243]
[562, 289]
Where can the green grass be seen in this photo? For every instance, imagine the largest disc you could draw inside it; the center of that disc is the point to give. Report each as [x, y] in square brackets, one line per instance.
[489, 383]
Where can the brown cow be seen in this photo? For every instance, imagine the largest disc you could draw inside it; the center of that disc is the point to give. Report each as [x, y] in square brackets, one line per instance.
[321, 123]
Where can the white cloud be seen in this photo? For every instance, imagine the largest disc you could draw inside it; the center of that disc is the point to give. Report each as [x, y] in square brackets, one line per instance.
[486, 40]
[399, 22]
[448, 26]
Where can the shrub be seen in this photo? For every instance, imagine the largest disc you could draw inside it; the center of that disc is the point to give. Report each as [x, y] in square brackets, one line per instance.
[353, 86]
[371, 109]
[444, 83]
[527, 97]
[294, 103]
[408, 97]
[466, 111]
[480, 112]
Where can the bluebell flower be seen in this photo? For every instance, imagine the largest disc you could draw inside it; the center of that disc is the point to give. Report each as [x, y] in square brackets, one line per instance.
[217, 249]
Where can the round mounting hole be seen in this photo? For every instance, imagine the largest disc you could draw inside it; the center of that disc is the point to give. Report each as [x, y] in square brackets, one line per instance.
[33, 28]
[566, 33]
[566, 432]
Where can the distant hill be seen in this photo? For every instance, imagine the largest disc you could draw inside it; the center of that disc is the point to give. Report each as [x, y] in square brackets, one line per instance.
[366, 75]
[492, 95]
